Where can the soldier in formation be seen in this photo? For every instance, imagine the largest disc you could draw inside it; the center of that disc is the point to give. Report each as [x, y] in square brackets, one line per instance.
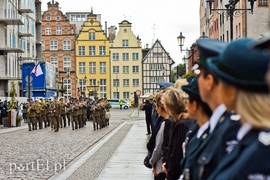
[59, 114]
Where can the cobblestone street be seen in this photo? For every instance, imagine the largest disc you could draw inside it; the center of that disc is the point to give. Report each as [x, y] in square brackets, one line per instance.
[42, 153]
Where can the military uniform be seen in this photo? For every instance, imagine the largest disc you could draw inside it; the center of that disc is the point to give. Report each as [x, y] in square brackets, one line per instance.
[95, 109]
[38, 115]
[249, 158]
[48, 113]
[57, 115]
[31, 112]
[52, 118]
[68, 111]
[63, 114]
[43, 113]
[74, 115]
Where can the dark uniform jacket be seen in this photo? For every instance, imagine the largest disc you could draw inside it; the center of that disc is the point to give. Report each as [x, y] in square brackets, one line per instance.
[249, 159]
[214, 147]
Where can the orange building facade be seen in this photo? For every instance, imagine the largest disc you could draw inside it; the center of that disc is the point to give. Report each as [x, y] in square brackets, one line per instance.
[58, 48]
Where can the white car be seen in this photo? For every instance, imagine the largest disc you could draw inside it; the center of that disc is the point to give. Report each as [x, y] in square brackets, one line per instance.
[115, 103]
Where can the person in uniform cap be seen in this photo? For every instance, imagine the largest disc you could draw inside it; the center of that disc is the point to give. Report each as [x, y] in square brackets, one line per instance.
[199, 130]
[241, 71]
[265, 45]
[213, 147]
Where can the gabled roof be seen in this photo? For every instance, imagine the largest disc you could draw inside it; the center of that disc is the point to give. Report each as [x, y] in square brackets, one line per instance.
[150, 50]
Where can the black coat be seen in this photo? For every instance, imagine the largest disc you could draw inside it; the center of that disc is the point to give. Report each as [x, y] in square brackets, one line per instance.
[148, 111]
[175, 151]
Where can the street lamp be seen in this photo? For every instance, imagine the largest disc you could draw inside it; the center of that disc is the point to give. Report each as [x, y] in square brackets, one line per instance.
[181, 41]
[230, 8]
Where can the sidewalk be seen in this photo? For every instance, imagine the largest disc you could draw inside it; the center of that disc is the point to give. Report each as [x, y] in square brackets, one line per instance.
[127, 161]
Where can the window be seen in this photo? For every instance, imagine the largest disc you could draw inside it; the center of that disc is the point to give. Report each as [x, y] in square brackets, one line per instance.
[92, 82]
[126, 95]
[115, 69]
[48, 18]
[53, 44]
[125, 69]
[81, 50]
[116, 95]
[115, 56]
[116, 82]
[102, 50]
[82, 83]
[54, 61]
[92, 50]
[81, 67]
[48, 30]
[153, 67]
[125, 43]
[135, 82]
[102, 67]
[263, 2]
[157, 55]
[92, 67]
[57, 18]
[135, 56]
[91, 35]
[58, 30]
[159, 66]
[66, 44]
[102, 88]
[153, 80]
[125, 56]
[135, 69]
[66, 63]
[67, 86]
[125, 82]
[33, 28]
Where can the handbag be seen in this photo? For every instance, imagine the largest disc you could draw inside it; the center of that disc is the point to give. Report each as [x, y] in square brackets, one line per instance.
[107, 115]
[146, 161]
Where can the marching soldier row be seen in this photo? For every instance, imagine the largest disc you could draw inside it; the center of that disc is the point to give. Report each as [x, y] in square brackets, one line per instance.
[60, 113]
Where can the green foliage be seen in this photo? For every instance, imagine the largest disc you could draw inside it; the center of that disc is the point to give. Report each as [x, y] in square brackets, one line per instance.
[5, 118]
[62, 90]
[12, 93]
[181, 69]
[189, 75]
[19, 118]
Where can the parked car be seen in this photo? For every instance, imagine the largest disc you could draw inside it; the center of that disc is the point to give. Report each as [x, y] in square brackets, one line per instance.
[115, 103]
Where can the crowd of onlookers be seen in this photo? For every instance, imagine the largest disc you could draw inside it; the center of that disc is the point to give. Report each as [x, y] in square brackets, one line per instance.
[221, 129]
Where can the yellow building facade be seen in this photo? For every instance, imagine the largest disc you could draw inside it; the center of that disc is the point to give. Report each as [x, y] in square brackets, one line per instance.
[126, 63]
[93, 60]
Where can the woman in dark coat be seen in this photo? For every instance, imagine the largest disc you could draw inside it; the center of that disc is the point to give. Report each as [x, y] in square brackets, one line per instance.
[175, 106]
[147, 107]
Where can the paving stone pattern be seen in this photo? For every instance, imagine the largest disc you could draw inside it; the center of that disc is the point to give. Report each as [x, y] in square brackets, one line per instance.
[41, 153]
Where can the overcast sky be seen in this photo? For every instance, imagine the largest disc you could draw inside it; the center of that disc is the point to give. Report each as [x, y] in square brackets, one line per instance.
[151, 19]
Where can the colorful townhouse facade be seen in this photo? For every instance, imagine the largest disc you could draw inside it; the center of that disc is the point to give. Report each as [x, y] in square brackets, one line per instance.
[58, 48]
[157, 65]
[93, 59]
[126, 62]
